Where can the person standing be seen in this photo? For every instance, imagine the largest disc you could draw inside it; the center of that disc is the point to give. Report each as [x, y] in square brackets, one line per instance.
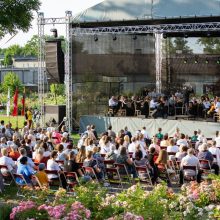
[29, 117]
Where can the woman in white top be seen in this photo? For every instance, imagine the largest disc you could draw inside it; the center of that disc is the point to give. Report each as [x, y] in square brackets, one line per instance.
[172, 147]
[7, 161]
[215, 151]
[53, 165]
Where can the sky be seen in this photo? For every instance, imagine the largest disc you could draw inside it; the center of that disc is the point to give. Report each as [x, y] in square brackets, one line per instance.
[51, 8]
[57, 8]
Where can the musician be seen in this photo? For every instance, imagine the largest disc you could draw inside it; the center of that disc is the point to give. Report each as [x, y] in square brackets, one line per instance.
[113, 104]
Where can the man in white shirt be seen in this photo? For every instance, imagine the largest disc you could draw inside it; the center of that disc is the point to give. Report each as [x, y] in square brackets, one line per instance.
[190, 160]
[5, 160]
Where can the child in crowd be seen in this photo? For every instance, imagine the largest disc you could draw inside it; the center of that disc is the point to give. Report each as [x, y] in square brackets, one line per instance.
[42, 176]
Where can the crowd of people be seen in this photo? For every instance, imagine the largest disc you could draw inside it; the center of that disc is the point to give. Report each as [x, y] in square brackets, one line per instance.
[158, 105]
[30, 151]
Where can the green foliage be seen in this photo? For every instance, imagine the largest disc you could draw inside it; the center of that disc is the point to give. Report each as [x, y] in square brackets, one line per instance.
[33, 213]
[17, 15]
[5, 211]
[11, 81]
[178, 43]
[211, 44]
[57, 90]
[31, 47]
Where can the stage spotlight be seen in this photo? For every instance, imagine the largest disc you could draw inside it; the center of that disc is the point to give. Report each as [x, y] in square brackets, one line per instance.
[186, 36]
[134, 37]
[54, 31]
[185, 61]
[95, 37]
[218, 61]
[114, 37]
[196, 61]
[208, 34]
[164, 35]
[206, 61]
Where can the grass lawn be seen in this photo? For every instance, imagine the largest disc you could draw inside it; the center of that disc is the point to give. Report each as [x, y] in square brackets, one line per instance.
[16, 121]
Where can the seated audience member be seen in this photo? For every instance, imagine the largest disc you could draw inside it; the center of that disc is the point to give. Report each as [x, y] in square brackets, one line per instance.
[126, 141]
[151, 158]
[182, 152]
[81, 156]
[172, 147]
[47, 152]
[163, 166]
[90, 162]
[204, 154]
[105, 147]
[215, 152]
[165, 141]
[190, 160]
[111, 155]
[194, 138]
[30, 162]
[7, 161]
[53, 165]
[39, 156]
[61, 155]
[132, 145]
[123, 158]
[14, 154]
[159, 135]
[42, 176]
[182, 140]
[70, 164]
[139, 159]
[155, 145]
[177, 134]
[25, 170]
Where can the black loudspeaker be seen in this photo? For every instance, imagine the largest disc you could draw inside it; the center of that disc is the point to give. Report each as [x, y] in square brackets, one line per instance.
[56, 112]
[54, 59]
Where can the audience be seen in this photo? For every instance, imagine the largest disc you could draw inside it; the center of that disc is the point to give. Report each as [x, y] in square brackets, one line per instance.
[30, 150]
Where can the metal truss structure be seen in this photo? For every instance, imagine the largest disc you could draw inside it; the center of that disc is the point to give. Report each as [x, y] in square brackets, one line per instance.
[160, 28]
[42, 78]
[68, 20]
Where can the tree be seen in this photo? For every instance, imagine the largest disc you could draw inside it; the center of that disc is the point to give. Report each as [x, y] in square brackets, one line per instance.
[31, 47]
[17, 15]
[57, 89]
[11, 81]
[211, 44]
[180, 43]
[10, 52]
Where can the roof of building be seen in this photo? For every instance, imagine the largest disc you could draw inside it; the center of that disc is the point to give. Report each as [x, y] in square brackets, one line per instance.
[25, 58]
[116, 10]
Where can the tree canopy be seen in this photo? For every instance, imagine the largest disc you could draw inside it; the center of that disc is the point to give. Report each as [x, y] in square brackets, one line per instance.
[17, 15]
[11, 81]
[211, 44]
[179, 44]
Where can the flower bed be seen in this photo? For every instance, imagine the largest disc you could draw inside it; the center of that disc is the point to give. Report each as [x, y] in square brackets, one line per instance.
[194, 201]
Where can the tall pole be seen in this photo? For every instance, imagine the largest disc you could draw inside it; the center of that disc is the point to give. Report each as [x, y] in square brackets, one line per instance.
[158, 61]
[41, 66]
[68, 72]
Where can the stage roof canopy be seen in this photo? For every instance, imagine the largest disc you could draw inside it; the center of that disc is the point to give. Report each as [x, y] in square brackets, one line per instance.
[116, 10]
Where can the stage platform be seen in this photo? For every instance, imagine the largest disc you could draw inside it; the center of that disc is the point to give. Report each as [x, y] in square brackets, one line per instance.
[152, 125]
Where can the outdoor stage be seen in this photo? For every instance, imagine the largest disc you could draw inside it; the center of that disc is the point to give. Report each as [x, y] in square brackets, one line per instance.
[152, 125]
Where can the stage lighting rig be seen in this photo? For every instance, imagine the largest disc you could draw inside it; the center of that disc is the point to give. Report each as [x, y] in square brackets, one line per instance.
[96, 38]
[134, 37]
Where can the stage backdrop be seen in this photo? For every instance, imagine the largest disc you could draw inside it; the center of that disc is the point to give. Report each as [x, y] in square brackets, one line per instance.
[152, 125]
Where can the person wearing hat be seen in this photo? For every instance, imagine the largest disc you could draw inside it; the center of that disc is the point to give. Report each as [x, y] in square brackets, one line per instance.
[42, 176]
